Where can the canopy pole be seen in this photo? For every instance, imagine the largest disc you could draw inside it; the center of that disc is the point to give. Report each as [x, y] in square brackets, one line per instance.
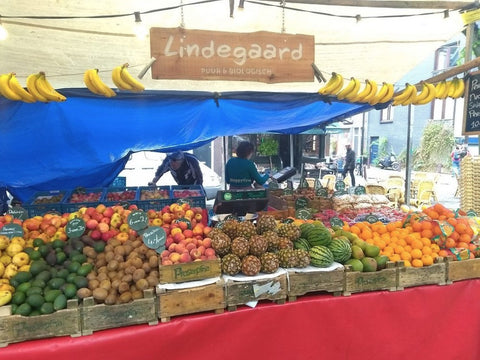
[409, 156]
[291, 150]
[224, 155]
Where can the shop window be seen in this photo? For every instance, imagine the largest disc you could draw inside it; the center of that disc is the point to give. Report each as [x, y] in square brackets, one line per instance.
[386, 115]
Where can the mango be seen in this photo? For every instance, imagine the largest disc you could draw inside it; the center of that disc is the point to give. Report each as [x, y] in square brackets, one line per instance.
[5, 297]
[369, 264]
[357, 252]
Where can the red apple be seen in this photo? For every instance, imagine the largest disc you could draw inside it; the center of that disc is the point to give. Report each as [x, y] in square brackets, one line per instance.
[100, 208]
[91, 224]
[108, 212]
[96, 235]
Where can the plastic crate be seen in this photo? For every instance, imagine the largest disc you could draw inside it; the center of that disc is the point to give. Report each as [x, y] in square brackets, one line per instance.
[153, 203]
[181, 192]
[119, 181]
[43, 202]
[69, 206]
[113, 191]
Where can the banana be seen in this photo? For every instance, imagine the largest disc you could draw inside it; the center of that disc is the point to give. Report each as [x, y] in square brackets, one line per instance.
[404, 95]
[452, 86]
[5, 89]
[19, 90]
[129, 79]
[422, 94]
[32, 88]
[118, 80]
[331, 84]
[46, 89]
[95, 84]
[441, 90]
[412, 97]
[460, 89]
[354, 91]
[388, 96]
[362, 94]
[380, 94]
[347, 89]
[373, 91]
[430, 96]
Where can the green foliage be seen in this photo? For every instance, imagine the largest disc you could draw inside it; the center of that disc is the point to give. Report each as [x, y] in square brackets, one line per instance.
[384, 149]
[268, 147]
[435, 148]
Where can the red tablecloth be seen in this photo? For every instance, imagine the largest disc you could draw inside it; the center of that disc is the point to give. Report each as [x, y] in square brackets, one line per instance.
[428, 322]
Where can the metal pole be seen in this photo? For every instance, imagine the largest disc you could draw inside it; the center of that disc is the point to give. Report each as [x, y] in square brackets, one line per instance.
[409, 156]
[291, 150]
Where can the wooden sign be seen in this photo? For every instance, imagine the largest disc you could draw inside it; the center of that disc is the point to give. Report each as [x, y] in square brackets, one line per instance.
[214, 55]
[471, 112]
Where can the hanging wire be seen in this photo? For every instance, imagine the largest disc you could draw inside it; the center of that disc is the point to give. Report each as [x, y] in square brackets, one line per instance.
[284, 2]
[182, 19]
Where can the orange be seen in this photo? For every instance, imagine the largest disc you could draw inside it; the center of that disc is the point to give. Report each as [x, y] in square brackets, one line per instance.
[398, 249]
[417, 263]
[406, 256]
[461, 228]
[435, 247]
[427, 233]
[355, 229]
[417, 226]
[462, 245]
[427, 260]
[417, 244]
[407, 263]
[407, 248]
[443, 253]
[465, 238]
[426, 241]
[416, 254]
[395, 257]
[450, 243]
[427, 250]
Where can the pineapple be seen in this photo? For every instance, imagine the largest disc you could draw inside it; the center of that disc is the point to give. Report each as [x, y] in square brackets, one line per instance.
[287, 258]
[240, 247]
[289, 230]
[272, 239]
[284, 243]
[231, 264]
[230, 227]
[266, 223]
[251, 265]
[303, 258]
[269, 262]
[246, 229]
[221, 243]
[258, 245]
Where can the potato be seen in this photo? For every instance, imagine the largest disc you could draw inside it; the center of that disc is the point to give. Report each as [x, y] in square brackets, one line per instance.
[111, 299]
[130, 270]
[99, 262]
[137, 294]
[100, 294]
[137, 243]
[106, 284]
[137, 262]
[93, 284]
[90, 252]
[112, 275]
[83, 293]
[138, 274]
[153, 261]
[115, 283]
[125, 297]
[127, 278]
[119, 250]
[92, 275]
[123, 286]
[102, 276]
[119, 258]
[152, 281]
[146, 267]
[108, 248]
[114, 242]
[128, 248]
[109, 255]
[150, 252]
[142, 284]
[112, 265]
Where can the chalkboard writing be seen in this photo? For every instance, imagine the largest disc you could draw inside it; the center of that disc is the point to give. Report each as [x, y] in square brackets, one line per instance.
[18, 212]
[137, 220]
[75, 228]
[336, 221]
[303, 214]
[154, 238]
[471, 113]
[186, 221]
[321, 192]
[301, 203]
[360, 190]
[11, 230]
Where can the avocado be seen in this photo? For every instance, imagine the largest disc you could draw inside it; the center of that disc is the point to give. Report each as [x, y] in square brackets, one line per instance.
[44, 249]
[37, 242]
[39, 283]
[70, 290]
[77, 244]
[24, 309]
[80, 258]
[71, 277]
[23, 287]
[74, 266]
[58, 244]
[35, 312]
[35, 300]
[18, 298]
[44, 275]
[22, 276]
[50, 295]
[35, 255]
[60, 302]
[80, 281]
[34, 290]
[63, 273]
[84, 269]
[61, 257]
[28, 251]
[37, 266]
[47, 308]
[99, 246]
[51, 258]
[56, 282]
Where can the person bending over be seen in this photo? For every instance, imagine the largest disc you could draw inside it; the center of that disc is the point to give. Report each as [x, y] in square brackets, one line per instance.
[184, 167]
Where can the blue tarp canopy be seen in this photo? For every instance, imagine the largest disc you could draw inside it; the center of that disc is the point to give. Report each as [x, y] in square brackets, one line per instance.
[86, 140]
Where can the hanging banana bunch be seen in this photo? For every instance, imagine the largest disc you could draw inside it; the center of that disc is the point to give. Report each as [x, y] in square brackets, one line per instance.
[333, 85]
[94, 83]
[426, 94]
[11, 89]
[123, 80]
[41, 89]
[456, 88]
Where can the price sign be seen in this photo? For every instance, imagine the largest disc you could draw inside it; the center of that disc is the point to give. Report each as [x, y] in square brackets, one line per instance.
[303, 183]
[11, 230]
[371, 218]
[321, 192]
[340, 193]
[287, 191]
[186, 221]
[317, 184]
[75, 228]
[154, 237]
[301, 203]
[471, 112]
[18, 212]
[287, 221]
[360, 190]
[303, 214]
[185, 201]
[137, 220]
[336, 221]
[340, 185]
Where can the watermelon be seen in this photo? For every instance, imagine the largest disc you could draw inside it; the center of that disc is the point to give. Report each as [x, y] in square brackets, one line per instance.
[319, 235]
[341, 249]
[320, 256]
[301, 243]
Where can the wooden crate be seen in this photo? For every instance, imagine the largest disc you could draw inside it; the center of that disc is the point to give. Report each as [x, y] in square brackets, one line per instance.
[462, 270]
[277, 202]
[357, 281]
[245, 291]
[301, 283]
[17, 328]
[190, 300]
[100, 316]
[412, 276]
[196, 270]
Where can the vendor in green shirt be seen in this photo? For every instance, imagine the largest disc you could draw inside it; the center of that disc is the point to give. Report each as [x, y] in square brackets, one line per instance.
[240, 171]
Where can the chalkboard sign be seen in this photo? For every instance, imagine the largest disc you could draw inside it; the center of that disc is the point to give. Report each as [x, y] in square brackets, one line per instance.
[287, 191]
[321, 192]
[303, 214]
[336, 221]
[360, 190]
[301, 202]
[371, 218]
[18, 212]
[11, 230]
[471, 112]
[186, 221]
[184, 201]
[137, 220]
[154, 237]
[75, 228]
[340, 185]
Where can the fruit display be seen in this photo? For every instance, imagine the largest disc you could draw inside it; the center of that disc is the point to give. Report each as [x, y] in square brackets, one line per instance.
[155, 193]
[48, 199]
[186, 193]
[38, 89]
[373, 94]
[122, 195]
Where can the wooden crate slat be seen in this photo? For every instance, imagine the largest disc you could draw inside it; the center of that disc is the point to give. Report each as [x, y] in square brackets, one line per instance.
[427, 275]
[196, 270]
[301, 283]
[356, 281]
[463, 269]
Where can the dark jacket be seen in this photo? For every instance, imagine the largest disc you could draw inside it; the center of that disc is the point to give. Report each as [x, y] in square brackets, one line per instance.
[188, 174]
[350, 160]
